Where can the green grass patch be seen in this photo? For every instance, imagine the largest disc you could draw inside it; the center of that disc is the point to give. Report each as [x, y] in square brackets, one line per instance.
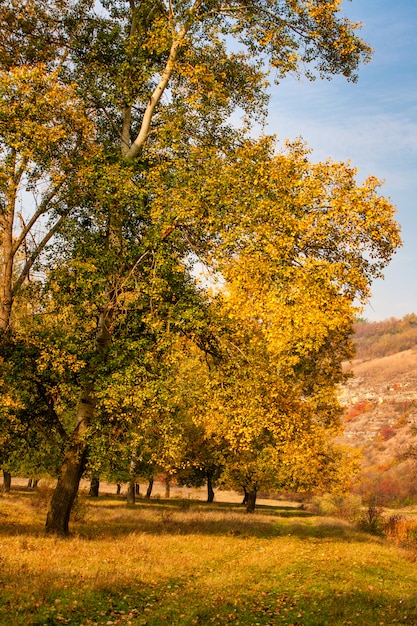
[164, 563]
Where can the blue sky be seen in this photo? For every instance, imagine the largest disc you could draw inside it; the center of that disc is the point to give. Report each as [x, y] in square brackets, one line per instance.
[372, 123]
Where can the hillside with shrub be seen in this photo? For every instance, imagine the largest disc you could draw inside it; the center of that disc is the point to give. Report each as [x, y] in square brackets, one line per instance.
[380, 408]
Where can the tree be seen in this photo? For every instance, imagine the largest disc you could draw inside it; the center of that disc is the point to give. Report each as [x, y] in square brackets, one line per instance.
[203, 459]
[45, 141]
[161, 83]
[296, 244]
[297, 266]
[278, 415]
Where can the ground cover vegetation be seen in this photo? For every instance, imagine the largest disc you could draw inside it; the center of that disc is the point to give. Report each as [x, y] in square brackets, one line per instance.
[186, 562]
[116, 120]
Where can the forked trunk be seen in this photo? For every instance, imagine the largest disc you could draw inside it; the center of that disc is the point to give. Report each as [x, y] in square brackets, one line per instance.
[251, 501]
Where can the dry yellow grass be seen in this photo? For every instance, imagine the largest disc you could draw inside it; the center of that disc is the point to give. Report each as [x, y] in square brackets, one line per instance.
[187, 563]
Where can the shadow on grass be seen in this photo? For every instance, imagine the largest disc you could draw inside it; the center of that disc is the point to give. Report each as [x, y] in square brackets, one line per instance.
[184, 504]
[237, 528]
[299, 592]
[110, 520]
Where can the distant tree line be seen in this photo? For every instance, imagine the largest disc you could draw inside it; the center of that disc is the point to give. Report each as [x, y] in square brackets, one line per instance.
[379, 339]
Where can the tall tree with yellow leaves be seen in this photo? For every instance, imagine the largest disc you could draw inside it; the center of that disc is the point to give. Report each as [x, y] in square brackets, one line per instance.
[45, 138]
[160, 81]
[295, 246]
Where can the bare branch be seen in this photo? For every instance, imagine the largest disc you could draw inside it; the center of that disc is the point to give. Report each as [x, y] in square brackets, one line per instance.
[155, 98]
[37, 251]
[42, 209]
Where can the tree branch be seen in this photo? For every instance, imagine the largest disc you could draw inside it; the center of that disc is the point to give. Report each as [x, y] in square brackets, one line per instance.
[155, 98]
[145, 128]
[35, 254]
[43, 207]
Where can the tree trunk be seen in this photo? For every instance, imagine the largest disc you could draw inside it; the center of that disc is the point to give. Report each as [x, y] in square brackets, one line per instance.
[251, 501]
[167, 487]
[57, 520]
[8, 254]
[118, 489]
[72, 468]
[131, 493]
[94, 486]
[7, 481]
[137, 489]
[131, 489]
[245, 496]
[210, 491]
[149, 489]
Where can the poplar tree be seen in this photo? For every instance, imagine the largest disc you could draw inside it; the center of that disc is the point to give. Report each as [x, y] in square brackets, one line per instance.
[159, 82]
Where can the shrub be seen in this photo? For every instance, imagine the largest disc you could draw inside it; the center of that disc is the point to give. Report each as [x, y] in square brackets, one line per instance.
[357, 409]
[343, 507]
[371, 519]
[402, 530]
[387, 432]
[396, 527]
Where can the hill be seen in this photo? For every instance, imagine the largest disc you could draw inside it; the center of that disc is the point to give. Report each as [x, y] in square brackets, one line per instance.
[380, 403]
[378, 339]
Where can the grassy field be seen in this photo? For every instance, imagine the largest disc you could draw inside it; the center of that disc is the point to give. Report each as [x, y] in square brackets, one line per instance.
[184, 562]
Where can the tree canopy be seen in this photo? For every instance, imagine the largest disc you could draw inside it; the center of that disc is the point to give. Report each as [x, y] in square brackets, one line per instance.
[120, 121]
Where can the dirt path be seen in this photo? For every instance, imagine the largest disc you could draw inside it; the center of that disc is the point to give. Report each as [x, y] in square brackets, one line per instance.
[158, 491]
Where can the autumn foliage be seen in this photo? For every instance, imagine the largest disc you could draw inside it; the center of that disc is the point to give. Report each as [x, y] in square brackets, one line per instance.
[120, 129]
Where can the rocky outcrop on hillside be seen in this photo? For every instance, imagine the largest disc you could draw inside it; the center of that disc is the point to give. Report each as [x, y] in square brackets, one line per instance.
[380, 402]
